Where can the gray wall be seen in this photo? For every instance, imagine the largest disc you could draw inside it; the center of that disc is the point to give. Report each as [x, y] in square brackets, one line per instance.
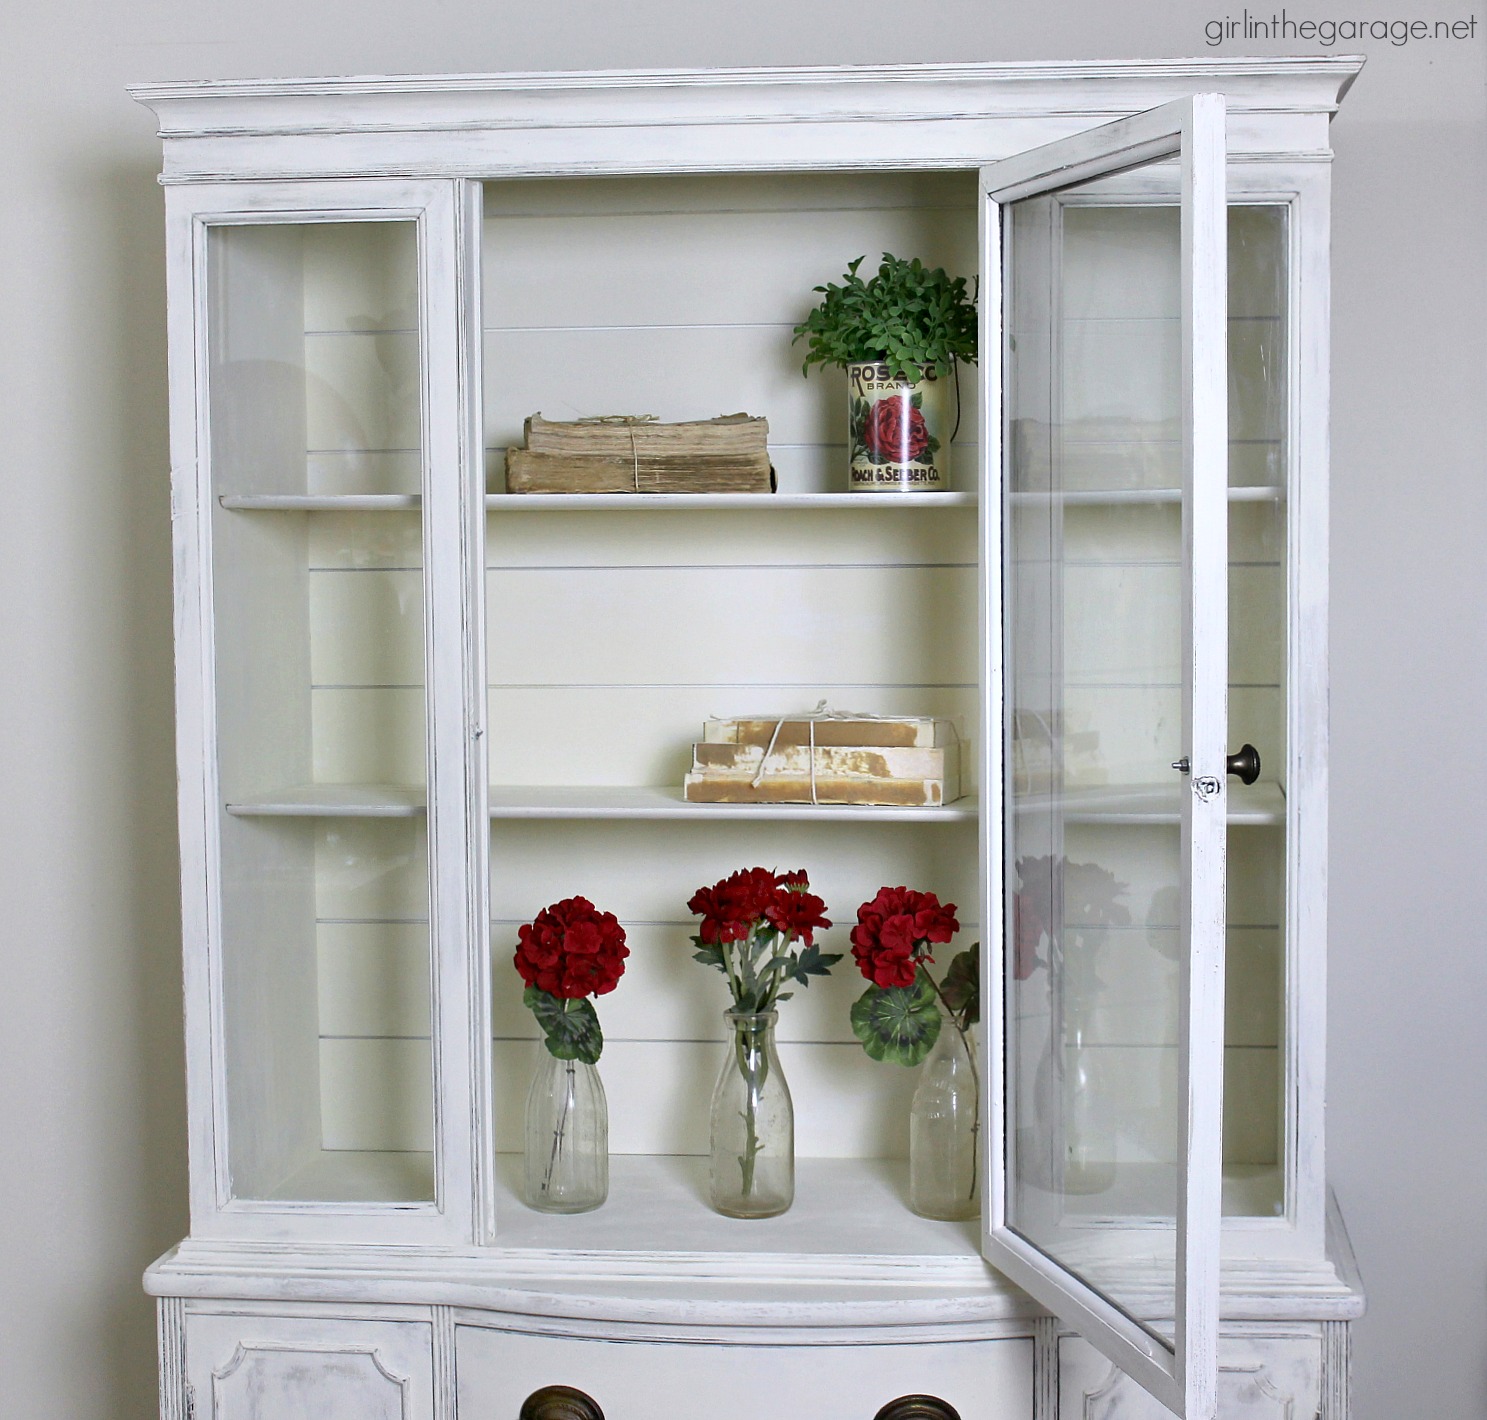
[93, 1159]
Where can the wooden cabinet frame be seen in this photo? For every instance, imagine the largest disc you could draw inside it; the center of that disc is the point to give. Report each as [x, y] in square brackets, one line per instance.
[421, 149]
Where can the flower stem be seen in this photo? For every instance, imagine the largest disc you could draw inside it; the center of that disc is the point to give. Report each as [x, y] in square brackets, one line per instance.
[559, 1129]
[753, 1065]
[965, 1041]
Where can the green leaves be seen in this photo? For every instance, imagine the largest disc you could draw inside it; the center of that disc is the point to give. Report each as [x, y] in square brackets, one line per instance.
[571, 1027]
[961, 987]
[897, 1023]
[809, 962]
[756, 968]
[908, 315]
[709, 954]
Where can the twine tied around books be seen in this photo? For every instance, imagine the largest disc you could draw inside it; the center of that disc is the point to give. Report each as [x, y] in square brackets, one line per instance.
[811, 717]
[629, 421]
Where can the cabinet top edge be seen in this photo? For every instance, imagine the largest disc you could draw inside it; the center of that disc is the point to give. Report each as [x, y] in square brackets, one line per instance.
[1292, 83]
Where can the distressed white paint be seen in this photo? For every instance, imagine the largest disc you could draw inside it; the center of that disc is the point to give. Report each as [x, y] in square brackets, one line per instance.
[269, 1368]
[1260, 1377]
[983, 1380]
[1182, 1375]
[462, 134]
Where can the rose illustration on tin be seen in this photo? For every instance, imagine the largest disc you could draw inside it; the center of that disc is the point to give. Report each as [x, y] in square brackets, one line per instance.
[892, 430]
[895, 432]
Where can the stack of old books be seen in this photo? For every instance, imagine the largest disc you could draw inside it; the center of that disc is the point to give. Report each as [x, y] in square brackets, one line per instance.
[624, 454]
[913, 761]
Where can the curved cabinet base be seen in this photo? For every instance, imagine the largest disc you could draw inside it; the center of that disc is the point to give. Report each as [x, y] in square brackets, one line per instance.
[222, 1360]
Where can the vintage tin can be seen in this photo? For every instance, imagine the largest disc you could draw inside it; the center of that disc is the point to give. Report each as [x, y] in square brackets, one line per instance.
[898, 433]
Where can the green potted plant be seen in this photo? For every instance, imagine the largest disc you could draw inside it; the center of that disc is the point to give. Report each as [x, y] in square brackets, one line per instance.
[898, 335]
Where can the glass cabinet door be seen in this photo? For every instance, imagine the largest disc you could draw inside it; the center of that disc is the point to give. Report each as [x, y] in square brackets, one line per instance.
[330, 448]
[1109, 872]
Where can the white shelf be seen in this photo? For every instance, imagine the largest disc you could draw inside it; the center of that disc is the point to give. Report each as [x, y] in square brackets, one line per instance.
[559, 801]
[361, 1176]
[556, 801]
[717, 502]
[844, 1209]
[1258, 804]
[334, 801]
[1248, 804]
[1102, 497]
[322, 502]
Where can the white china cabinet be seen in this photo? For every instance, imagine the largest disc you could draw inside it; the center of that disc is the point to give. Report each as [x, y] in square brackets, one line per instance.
[414, 709]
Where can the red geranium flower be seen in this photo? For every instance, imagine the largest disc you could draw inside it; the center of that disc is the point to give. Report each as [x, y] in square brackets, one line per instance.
[730, 908]
[895, 431]
[795, 910]
[758, 929]
[571, 949]
[894, 931]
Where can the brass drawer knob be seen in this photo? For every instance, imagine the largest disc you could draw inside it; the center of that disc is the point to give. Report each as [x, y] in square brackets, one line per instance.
[560, 1402]
[918, 1407]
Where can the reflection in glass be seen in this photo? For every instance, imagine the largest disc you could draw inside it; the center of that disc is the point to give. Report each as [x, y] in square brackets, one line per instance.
[1094, 614]
[315, 360]
[313, 386]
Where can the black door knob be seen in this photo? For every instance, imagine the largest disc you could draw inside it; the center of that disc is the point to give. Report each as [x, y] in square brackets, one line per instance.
[560, 1402]
[918, 1407]
[1245, 763]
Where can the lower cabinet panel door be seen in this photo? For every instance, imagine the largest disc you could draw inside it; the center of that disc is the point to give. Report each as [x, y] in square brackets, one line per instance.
[1260, 1378]
[244, 1367]
[638, 1380]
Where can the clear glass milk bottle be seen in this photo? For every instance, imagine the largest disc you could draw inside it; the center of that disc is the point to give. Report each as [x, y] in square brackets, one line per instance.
[944, 1130]
[752, 1171]
[567, 1136]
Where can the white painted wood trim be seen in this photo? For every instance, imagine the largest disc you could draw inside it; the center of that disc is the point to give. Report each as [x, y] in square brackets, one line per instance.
[1024, 82]
[170, 1327]
[475, 973]
[1045, 1369]
[993, 729]
[1205, 218]
[718, 120]
[1184, 1377]
[452, 542]
[194, 714]
[1337, 1360]
[588, 1291]
[1127, 143]
[445, 1383]
[191, 212]
[1307, 728]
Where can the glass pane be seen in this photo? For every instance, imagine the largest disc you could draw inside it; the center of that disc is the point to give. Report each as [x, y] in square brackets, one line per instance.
[1094, 643]
[1254, 1056]
[320, 711]
[315, 370]
[1095, 651]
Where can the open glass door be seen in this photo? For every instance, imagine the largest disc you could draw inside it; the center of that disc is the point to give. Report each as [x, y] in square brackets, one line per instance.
[1104, 359]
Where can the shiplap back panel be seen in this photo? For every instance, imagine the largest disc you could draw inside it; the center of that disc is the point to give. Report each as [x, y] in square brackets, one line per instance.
[270, 1025]
[315, 388]
[664, 1023]
[361, 358]
[677, 297]
[610, 638]
[375, 1063]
